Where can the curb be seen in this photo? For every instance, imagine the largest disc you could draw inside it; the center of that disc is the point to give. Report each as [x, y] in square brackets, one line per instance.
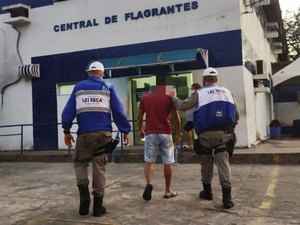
[134, 157]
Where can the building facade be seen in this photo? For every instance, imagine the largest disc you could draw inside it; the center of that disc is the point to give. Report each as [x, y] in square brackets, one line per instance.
[46, 46]
[286, 84]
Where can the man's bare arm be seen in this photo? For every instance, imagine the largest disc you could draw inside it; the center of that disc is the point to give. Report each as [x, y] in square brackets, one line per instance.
[177, 123]
[140, 122]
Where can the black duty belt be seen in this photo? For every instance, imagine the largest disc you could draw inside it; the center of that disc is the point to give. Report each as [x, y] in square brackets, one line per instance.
[217, 128]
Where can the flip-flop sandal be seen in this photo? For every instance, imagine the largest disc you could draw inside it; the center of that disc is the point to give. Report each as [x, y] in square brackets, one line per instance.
[147, 192]
[171, 195]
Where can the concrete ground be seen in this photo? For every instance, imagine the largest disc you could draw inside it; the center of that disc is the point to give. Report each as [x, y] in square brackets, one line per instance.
[38, 188]
[39, 193]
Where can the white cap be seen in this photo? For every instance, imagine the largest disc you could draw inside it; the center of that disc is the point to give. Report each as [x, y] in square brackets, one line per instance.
[95, 65]
[210, 72]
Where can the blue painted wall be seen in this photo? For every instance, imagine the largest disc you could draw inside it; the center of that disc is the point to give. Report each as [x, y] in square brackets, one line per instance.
[225, 49]
[286, 93]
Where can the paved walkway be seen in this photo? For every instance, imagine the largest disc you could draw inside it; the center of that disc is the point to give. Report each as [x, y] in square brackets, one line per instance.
[33, 192]
[38, 193]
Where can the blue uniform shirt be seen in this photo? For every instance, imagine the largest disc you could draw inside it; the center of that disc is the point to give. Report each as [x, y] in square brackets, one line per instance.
[216, 107]
[93, 102]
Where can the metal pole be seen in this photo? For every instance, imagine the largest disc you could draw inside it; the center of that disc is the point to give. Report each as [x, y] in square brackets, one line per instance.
[113, 154]
[21, 139]
[176, 152]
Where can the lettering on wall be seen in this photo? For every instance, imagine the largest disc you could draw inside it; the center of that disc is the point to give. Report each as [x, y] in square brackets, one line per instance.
[128, 16]
[76, 25]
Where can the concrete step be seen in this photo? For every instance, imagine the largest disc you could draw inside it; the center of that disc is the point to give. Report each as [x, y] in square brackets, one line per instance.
[136, 155]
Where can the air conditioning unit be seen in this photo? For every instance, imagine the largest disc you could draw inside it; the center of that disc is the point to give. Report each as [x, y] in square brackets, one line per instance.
[277, 51]
[272, 26]
[261, 70]
[261, 67]
[277, 48]
[251, 67]
[276, 45]
[19, 14]
[271, 34]
[258, 3]
[261, 79]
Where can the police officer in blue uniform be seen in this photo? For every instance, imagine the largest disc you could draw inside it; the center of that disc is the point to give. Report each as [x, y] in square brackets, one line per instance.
[93, 102]
[215, 118]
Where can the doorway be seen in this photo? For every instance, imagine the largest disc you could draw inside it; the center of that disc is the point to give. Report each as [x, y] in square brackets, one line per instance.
[141, 86]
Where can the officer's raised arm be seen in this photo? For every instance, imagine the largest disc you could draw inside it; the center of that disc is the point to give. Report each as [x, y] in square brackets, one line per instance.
[184, 105]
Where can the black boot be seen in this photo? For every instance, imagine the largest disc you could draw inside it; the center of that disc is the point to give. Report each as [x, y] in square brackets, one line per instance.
[98, 209]
[84, 199]
[206, 193]
[227, 202]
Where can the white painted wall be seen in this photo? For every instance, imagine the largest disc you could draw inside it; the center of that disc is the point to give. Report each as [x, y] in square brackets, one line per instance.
[288, 72]
[16, 109]
[287, 112]
[206, 19]
[232, 78]
[263, 115]
[256, 47]
[15, 98]
[249, 108]
[38, 39]
[254, 33]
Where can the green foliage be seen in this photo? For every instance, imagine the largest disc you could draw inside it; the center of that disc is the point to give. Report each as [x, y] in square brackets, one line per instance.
[291, 23]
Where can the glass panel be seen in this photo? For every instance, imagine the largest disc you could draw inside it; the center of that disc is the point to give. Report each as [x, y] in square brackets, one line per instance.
[140, 87]
[65, 89]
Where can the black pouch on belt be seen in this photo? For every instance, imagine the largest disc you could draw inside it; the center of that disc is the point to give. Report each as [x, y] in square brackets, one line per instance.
[107, 148]
[200, 150]
[231, 144]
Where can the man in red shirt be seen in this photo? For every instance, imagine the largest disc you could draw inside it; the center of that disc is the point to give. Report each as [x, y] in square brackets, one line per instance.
[158, 136]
